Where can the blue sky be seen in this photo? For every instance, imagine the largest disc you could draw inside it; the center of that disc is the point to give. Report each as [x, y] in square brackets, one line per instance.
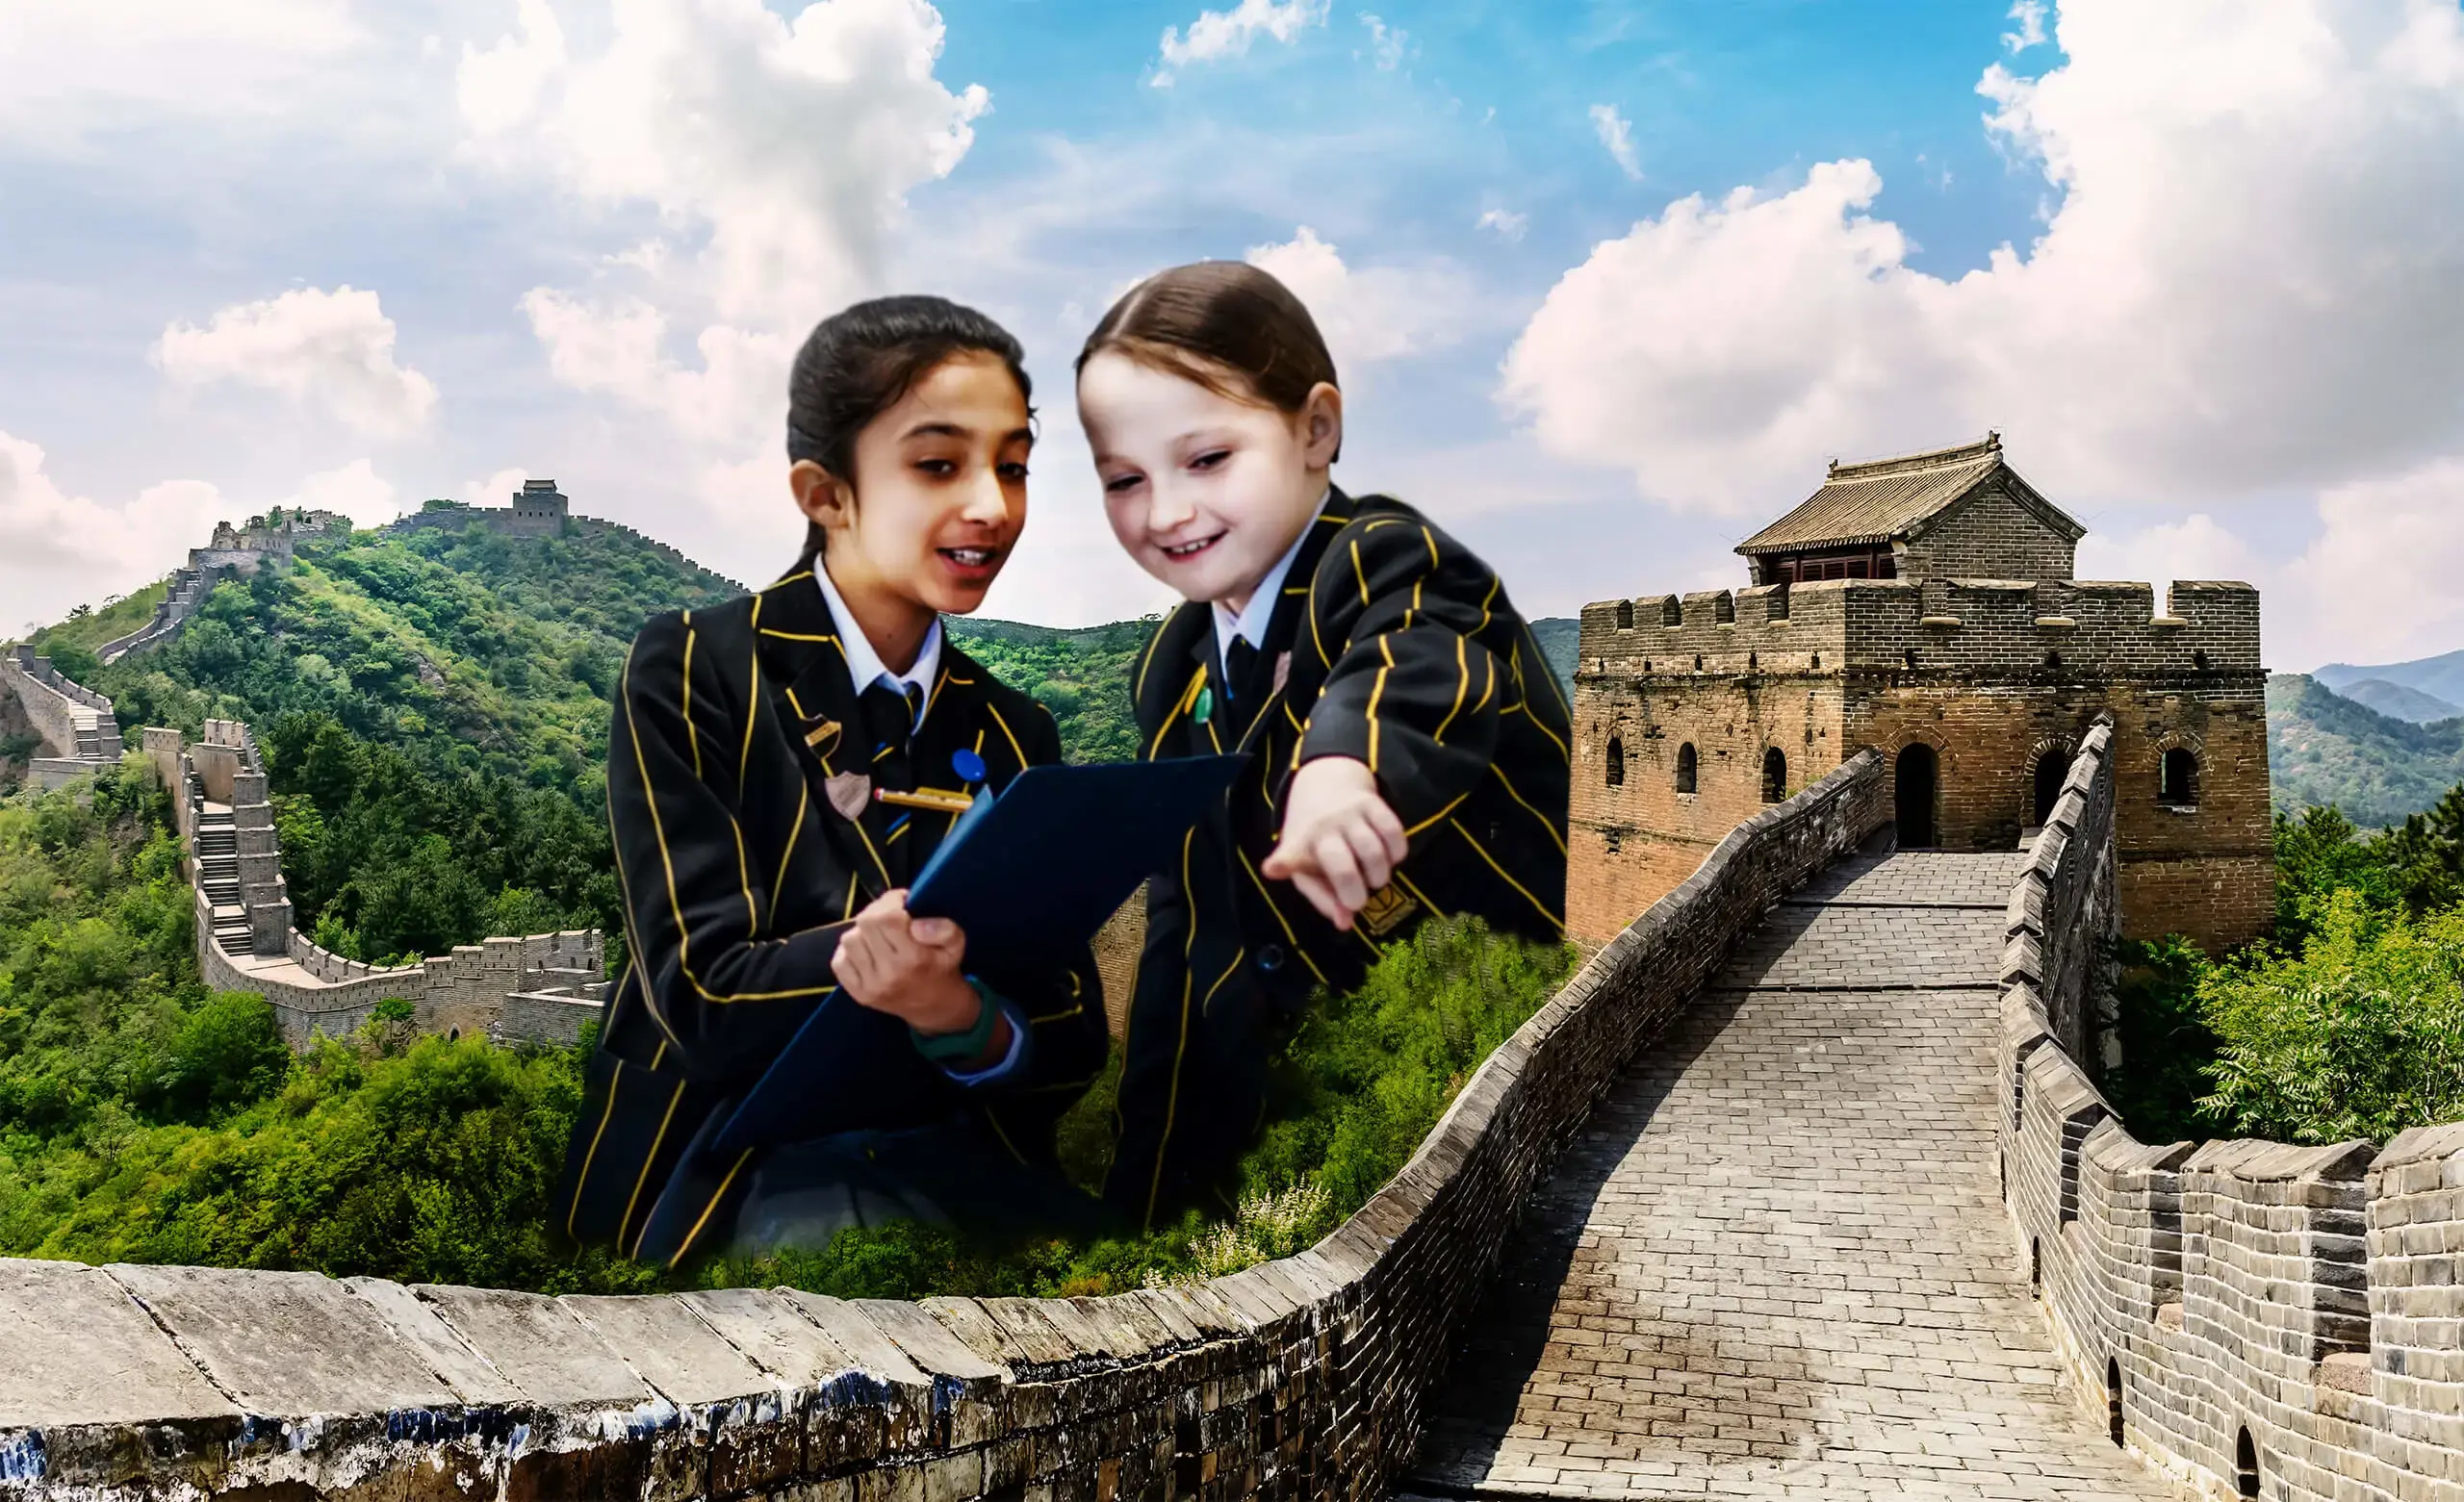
[1608, 281]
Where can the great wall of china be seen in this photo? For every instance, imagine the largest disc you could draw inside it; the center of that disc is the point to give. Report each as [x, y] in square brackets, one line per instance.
[533, 988]
[1800, 1188]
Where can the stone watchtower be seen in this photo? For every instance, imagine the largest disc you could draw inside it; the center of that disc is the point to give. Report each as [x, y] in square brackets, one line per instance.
[1924, 605]
[538, 510]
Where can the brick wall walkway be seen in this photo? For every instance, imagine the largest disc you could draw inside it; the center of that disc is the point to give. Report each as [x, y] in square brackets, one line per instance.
[1776, 1266]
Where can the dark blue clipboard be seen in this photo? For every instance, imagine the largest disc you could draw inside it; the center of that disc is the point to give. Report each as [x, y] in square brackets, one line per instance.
[1029, 875]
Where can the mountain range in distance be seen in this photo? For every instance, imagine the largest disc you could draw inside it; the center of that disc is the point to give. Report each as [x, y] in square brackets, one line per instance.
[2422, 691]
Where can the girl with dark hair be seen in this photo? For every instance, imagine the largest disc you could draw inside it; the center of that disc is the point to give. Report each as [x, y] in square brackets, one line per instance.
[772, 769]
[1408, 738]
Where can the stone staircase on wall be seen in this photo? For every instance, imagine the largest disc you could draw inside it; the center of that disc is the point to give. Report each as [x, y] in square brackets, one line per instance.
[534, 988]
[215, 843]
[189, 588]
[76, 724]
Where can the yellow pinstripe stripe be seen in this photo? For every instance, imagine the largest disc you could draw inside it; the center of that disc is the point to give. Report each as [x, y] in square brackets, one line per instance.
[1189, 696]
[1534, 812]
[1377, 689]
[1172, 1098]
[1358, 573]
[1462, 686]
[1495, 584]
[1015, 748]
[1281, 921]
[1431, 538]
[790, 579]
[1433, 818]
[1315, 638]
[1239, 955]
[581, 1181]
[676, 908]
[625, 889]
[798, 636]
[648, 1158]
[803, 802]
[1038, 1022]
[753, 712]
[1137, 686]
[993, 1120]
[894, 835]
[695, 1234]
[1553, 921]
[692, 737]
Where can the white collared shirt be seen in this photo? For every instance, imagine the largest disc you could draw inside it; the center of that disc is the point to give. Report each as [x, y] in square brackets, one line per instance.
[1250, 625]
[864, 669]
[864, 666]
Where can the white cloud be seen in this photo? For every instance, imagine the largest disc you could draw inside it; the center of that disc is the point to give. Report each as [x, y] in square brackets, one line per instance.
[355, 490]
[1228, 34]
[496, 490]
[1370, 314]
[2248, 282]
[58, 550]
[1617, 134]
[1507, 225]
[739, 392]
[2030, 15]
[2197, 546]
[777, 154]
[333, 351]
[2379, 582]
[1386, 43]
[70, 70]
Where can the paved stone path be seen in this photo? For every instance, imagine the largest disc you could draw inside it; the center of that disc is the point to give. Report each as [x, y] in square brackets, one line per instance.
[1776, 1266]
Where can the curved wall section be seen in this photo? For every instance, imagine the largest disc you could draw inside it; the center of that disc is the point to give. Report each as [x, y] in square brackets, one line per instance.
[1301, 1378]
[2253, 1318]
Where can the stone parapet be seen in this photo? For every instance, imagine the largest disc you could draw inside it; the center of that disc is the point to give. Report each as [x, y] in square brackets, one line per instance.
[1304, 1377]
[2208, 632]
[2252, 1318]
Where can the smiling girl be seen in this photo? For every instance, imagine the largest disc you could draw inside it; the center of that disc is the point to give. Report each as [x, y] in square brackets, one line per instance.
[1409, 737]
[761, 872]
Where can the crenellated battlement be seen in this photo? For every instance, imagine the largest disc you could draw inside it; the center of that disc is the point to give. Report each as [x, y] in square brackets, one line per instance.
[2072, 627]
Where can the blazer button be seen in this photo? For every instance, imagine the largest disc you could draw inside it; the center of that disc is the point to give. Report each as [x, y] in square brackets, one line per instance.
[1270, 957]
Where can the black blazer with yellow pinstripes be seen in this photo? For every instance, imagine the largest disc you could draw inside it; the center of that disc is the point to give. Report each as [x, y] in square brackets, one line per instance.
[738, 876]
[1392, 644]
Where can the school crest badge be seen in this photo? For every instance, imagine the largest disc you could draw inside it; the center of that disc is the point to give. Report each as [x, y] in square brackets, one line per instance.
[848, 792]
[1385, 909]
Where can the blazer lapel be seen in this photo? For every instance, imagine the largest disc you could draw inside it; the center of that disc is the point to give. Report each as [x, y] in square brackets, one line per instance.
[805, 671]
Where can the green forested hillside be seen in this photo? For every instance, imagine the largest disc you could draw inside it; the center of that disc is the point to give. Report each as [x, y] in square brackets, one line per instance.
[2324, 748]
[434, 708]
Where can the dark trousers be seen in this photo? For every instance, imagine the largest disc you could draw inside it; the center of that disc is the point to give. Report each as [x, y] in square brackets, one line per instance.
[948, 1174]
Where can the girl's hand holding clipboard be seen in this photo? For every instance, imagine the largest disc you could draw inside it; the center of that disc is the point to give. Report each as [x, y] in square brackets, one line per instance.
[912, 968]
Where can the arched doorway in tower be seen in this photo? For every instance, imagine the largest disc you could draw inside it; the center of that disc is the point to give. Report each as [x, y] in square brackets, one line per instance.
[1914, 788]
[2052, 767]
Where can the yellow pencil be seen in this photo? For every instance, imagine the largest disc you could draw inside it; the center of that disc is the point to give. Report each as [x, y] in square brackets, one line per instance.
[942, 802]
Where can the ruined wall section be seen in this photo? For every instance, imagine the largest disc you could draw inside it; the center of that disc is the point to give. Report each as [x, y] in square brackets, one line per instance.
[2252, 1318]
[190, 586]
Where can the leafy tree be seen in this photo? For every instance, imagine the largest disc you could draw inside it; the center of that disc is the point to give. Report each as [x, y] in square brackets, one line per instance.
[2360, 1035]
[229, 1052]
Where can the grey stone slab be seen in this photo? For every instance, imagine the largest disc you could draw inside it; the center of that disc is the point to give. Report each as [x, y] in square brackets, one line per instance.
[287, 1343]
[80, 1351]
[871, 1346]
[668, 1346]
[540, 1347]
[773, 1335]
[463, 1370]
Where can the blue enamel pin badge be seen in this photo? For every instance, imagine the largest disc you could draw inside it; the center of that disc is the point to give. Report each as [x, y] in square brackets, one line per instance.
[968, 766]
